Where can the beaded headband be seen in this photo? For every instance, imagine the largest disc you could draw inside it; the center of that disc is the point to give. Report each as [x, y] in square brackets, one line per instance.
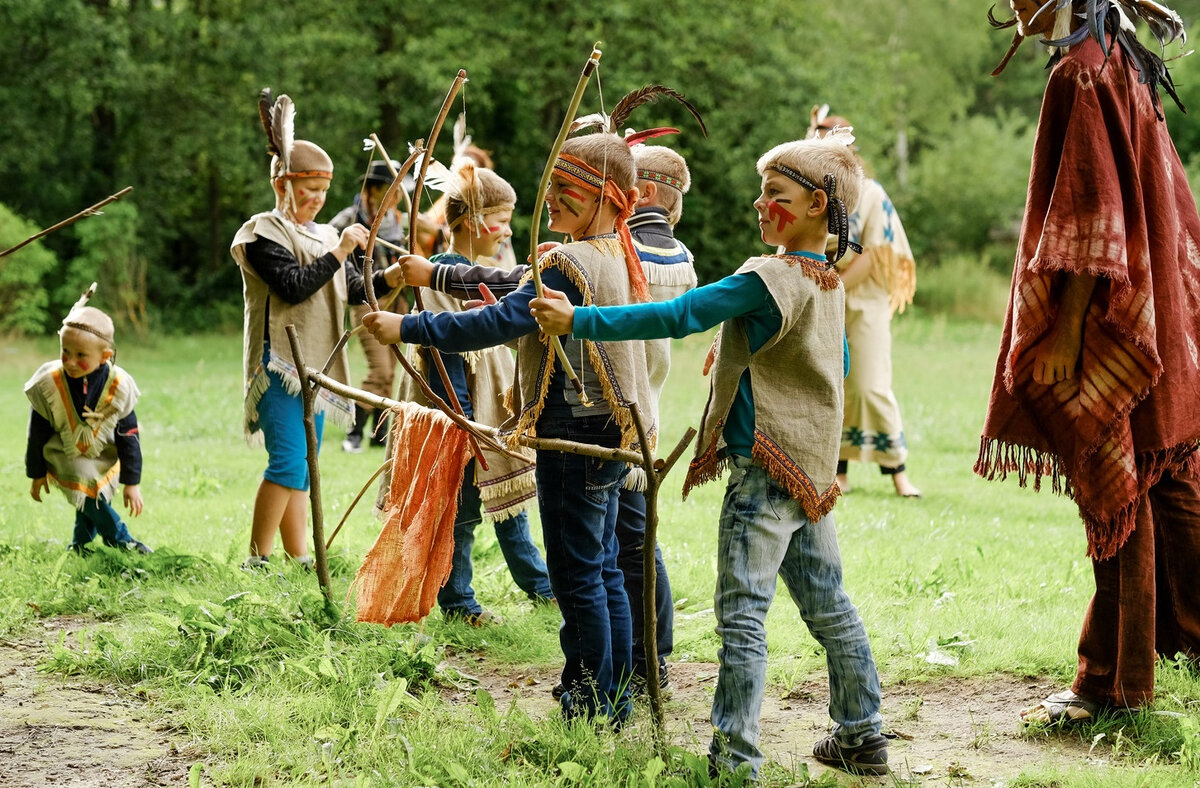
[569, 165]
[68, 323]
[659, 177]
[839, 221]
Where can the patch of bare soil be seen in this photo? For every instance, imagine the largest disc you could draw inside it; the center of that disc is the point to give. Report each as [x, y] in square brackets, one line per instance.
[947, 732]
[64, 732]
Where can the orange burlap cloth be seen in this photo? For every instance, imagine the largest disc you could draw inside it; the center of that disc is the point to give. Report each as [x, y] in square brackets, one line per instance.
[400, 577]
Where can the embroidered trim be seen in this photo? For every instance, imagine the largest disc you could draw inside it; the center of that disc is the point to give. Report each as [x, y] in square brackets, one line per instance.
[579, 171]
[661, 177]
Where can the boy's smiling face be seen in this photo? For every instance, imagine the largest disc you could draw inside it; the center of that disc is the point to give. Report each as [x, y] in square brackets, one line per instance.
[780, 207]
[82, 352]
[309, 194]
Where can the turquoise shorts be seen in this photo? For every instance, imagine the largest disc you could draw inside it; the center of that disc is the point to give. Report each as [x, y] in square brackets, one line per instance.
[281, 418]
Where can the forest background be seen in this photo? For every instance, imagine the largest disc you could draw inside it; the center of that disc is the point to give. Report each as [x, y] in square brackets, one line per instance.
[161, 95]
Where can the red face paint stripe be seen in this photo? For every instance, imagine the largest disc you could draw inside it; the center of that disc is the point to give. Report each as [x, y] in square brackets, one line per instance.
[781, 215]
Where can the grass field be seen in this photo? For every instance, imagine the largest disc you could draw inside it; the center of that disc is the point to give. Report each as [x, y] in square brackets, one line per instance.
[269, 689]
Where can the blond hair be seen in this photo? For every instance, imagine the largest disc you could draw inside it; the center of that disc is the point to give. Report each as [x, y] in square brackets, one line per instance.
[89, 320]
[818, 157]
[607, 154]
[476, 192]
[663, 166]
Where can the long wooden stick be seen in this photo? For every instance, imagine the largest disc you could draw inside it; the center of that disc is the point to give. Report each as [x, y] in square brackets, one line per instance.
[346, 516]
[89, 211]
[650, 579]
[434, 353]
[308, 395]
[540, 198]
[483, 432]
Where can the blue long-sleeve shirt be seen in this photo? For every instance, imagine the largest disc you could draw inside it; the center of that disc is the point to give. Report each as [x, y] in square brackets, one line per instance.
[495, 324]
[739, 295]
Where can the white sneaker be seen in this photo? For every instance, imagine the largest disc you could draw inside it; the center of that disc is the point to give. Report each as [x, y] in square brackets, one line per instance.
[256, 562]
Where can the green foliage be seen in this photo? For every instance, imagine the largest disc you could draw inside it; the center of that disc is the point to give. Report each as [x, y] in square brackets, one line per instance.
[963, 286]
[24, 277]
[967, 191]
[162, 96]
[109, 253]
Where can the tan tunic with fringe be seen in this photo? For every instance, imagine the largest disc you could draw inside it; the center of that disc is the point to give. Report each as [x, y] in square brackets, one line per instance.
[797, 384]
[508, 485]
[872, 430]
[81, 456]
[616, 370]
[318, 319]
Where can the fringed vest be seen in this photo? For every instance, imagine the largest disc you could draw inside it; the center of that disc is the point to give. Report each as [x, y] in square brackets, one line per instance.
[81, 456]
[595, 266]
[318, 319]
[797, 385]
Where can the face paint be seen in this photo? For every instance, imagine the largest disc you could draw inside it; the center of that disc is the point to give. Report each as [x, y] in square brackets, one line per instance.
[572, 200]
[492, 230]
[781, 215]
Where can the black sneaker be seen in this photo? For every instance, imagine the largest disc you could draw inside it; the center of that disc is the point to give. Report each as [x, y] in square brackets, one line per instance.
[79, 549]
[869, 757]
[559, 690]
[638, 684]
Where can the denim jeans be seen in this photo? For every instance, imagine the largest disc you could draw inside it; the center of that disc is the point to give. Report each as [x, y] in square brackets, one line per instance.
[520, 553]
[631, 536]
[577, 497]
[99, 517]
[764, 533]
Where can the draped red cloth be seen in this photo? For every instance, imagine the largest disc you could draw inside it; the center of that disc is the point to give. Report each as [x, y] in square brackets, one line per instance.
[410, 560]
[1108, 196]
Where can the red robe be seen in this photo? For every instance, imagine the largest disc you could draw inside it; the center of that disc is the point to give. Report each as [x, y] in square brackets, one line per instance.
[1108, 196]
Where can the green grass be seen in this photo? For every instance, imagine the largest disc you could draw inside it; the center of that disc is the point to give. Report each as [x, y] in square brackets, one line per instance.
[275, 689]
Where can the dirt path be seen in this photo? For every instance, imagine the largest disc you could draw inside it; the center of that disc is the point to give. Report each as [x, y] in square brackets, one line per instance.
[62, 732]
[949, 732]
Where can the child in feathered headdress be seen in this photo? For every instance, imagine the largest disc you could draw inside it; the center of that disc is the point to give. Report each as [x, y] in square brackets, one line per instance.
[773, 419]
[294, 271]
[83, 433]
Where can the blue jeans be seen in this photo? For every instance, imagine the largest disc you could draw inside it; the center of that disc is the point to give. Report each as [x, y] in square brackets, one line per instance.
[99, 517]
[520, 553]
[577, 497]
[631, 536]
[764, 533]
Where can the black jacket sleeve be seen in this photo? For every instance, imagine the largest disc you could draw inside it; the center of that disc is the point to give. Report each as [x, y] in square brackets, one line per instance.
[462, 280]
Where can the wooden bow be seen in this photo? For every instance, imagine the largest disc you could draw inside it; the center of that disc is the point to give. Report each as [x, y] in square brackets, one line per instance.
[451, 395]
[389, 200]
[540, 198]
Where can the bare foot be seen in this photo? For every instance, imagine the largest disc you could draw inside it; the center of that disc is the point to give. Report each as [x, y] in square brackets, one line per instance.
[843, 483]
[904, 487]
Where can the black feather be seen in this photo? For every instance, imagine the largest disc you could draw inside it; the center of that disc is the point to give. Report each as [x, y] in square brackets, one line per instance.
[637, 98]
[265, 102]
